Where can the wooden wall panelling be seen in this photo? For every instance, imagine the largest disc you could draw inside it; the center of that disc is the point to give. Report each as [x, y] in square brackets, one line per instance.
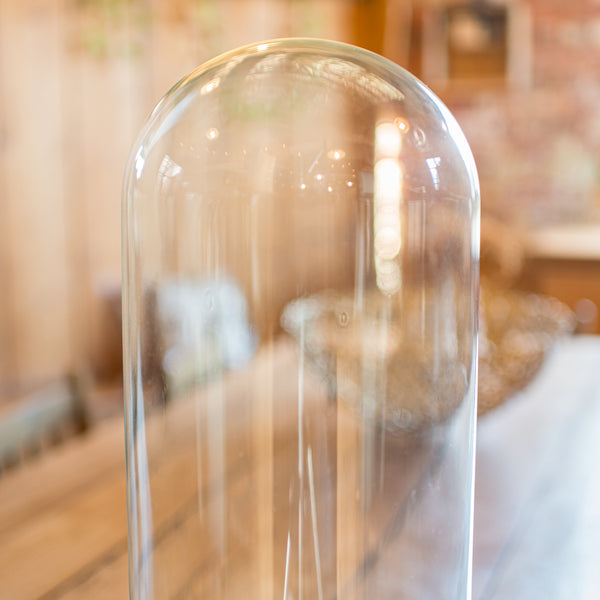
[76, 209]
[34, 190]
[109, 100]
[7, 298]
[78, 79]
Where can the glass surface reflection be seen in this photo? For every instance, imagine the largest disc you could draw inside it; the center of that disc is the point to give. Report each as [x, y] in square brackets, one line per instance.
[300, 332]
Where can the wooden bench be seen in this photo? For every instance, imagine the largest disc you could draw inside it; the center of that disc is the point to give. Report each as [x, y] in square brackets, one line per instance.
[39, 419]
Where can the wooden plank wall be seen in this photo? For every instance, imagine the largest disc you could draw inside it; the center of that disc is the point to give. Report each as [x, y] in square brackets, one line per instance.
[77, 79]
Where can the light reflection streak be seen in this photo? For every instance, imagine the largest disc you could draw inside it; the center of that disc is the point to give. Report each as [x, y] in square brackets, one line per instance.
[143, 511]
[287, 567]
[387, 224]
[313, 513]
[213, 84]
[199, 440]
[300, 455]
[216, 421]
[139, 164]
[336, 154]
[387, 140]
[432, 165]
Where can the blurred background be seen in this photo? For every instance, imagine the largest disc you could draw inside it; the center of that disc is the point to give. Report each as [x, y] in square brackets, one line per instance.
[79, 77]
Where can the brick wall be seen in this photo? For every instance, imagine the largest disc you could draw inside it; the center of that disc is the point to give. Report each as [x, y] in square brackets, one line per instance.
[538, 146]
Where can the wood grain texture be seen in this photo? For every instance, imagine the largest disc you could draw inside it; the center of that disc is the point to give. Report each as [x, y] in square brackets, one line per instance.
[63, 524]
[77, 81]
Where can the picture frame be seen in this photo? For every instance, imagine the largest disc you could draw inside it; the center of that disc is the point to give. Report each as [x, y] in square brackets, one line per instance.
[476, 42]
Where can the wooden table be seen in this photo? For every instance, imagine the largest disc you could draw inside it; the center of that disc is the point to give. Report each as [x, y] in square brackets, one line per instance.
[537, 517]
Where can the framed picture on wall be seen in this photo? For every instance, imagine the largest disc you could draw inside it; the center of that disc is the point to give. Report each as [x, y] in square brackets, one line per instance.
[477, 42]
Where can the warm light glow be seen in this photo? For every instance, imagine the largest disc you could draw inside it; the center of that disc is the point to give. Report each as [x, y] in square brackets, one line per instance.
[389, 279]
[336, 154]
[387, 224]
[388, 176]
[387, 181]
[387, 243]
[387, 140]
[212, 133]
[262, 47]
[213, 84]
[401, 124]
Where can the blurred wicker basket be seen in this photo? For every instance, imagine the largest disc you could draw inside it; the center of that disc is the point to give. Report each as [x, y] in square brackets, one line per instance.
[375, 367]
[517, 329]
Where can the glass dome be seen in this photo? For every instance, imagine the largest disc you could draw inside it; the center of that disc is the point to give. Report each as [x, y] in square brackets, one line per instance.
[301, 245]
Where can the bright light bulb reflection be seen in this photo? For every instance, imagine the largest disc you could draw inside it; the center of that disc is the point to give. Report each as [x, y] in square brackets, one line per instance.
[212, 133]
[401, 124]
[387, 180]
[387, 140]
[213, 84]
[387, 225]
[387, 243]
[389, 279]
[336, 154]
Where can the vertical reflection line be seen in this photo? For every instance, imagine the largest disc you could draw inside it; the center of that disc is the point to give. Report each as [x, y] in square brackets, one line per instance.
[384, 328]
[200, 230]
[262, 425]
[254, 259]
[262, 431]
[216, 450]
[199, 451]
[422, 252]
[349, 515]
[300, 456]
[371, 368]
[143, 492]
[315, 529]
[368, 400]
[362, 226]
[287, 567]
[387, 196]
